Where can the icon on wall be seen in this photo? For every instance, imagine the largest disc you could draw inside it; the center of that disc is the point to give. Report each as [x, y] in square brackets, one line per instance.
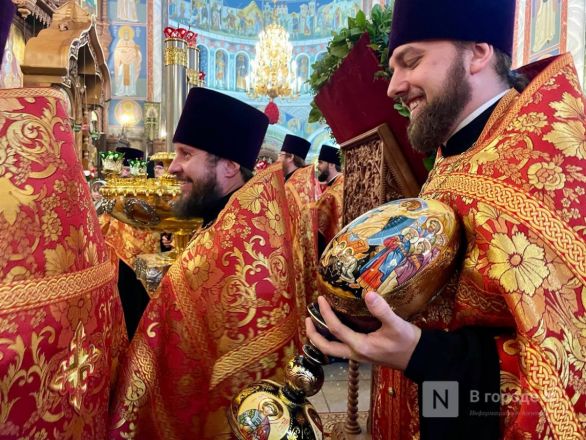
[152, 112]
[221, 62]
[128, 113]
[127, 62]
[241, 71]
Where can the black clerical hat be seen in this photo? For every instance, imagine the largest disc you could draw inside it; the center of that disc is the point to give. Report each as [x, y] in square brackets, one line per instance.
[222, 125]
[329, 154]
[296, 145]
[6, 17]
[485, 21]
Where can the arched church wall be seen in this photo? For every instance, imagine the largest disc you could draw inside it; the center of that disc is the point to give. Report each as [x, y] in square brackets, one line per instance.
[221, 68]
[241, 71]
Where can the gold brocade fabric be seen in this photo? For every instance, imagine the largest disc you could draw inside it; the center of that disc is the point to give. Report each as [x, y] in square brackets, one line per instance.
[61, 323]
[128, 242]
[521, 196]
[329, 209]
[224, 317]
[302, 190]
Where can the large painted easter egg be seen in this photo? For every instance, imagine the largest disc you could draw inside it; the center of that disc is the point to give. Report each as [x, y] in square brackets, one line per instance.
[405, 250]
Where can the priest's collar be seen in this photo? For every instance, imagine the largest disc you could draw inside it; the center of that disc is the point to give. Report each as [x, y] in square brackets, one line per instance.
[331, 182]
[469, 130]
[215, 208]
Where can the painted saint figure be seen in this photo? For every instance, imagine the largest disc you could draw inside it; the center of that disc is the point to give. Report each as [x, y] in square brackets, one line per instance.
[256, 422]
[127, 62]
[241, 72]
[11, 76]
[220, 69]
[375, 273]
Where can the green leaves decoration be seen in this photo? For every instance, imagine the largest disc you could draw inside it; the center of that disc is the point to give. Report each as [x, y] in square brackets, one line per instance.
[378, 27]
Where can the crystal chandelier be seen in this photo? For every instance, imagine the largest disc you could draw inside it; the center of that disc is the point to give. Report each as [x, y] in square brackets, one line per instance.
[272, 71]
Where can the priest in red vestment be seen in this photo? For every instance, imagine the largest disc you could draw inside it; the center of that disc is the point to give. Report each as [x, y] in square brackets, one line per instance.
[509, 335]
[225, 315]
[302, 191]
[61, 324]
[329, 205]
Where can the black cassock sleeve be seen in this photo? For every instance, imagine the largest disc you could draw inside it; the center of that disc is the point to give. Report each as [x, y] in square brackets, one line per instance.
[469, 357]
[133, 296]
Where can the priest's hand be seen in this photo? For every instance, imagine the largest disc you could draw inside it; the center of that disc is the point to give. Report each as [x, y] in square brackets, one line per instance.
[391, 345]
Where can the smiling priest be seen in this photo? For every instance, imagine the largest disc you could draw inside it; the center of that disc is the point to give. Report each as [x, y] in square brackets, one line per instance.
[225, 314]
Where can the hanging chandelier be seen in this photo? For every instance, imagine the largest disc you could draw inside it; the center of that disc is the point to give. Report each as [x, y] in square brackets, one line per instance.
[273, 71]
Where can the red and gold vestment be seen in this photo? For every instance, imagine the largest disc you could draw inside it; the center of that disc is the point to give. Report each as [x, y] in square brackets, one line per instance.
[128, 242]
[520, 194]
[225, 316]
[302, 190]
[329, 209]
[61, 320]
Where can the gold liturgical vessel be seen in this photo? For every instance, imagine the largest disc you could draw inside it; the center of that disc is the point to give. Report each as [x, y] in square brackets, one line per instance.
[148, 203]
[404, 250]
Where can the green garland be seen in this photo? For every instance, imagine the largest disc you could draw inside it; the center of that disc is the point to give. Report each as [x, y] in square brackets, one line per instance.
[343, 41]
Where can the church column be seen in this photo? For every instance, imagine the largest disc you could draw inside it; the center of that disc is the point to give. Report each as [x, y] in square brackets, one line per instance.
[193, 79]
[175, 58]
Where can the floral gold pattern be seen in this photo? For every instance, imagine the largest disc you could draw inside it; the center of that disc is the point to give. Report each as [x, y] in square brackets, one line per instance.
[329, 209]
[516, 263]
[61, 322]
[302, 191]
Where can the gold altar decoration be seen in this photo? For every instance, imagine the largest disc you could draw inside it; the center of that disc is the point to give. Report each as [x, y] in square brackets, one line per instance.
[282, 410]
[272, 70]
[175, 55]
[148, 203]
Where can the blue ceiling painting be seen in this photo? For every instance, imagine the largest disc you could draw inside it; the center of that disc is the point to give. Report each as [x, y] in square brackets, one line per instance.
[304, 19]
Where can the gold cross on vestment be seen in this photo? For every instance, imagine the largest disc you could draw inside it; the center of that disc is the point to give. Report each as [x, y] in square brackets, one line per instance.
[72, 377]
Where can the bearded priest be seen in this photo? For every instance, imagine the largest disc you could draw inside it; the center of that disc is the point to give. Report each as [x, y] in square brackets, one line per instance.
[225, 315]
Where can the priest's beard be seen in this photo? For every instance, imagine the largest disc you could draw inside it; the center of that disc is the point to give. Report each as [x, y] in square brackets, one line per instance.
[428, 130]
[324, 176]
[204, 193]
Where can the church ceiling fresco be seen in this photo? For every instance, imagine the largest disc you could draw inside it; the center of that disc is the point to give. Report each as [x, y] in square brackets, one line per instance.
[304, 20]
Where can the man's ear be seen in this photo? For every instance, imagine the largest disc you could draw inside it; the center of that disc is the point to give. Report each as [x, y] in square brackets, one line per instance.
[482, 55]
[229, 168]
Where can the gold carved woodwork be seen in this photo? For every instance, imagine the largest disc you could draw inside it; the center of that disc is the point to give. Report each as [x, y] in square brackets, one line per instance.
[68, 56]
[73, 42]
[375, 172]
